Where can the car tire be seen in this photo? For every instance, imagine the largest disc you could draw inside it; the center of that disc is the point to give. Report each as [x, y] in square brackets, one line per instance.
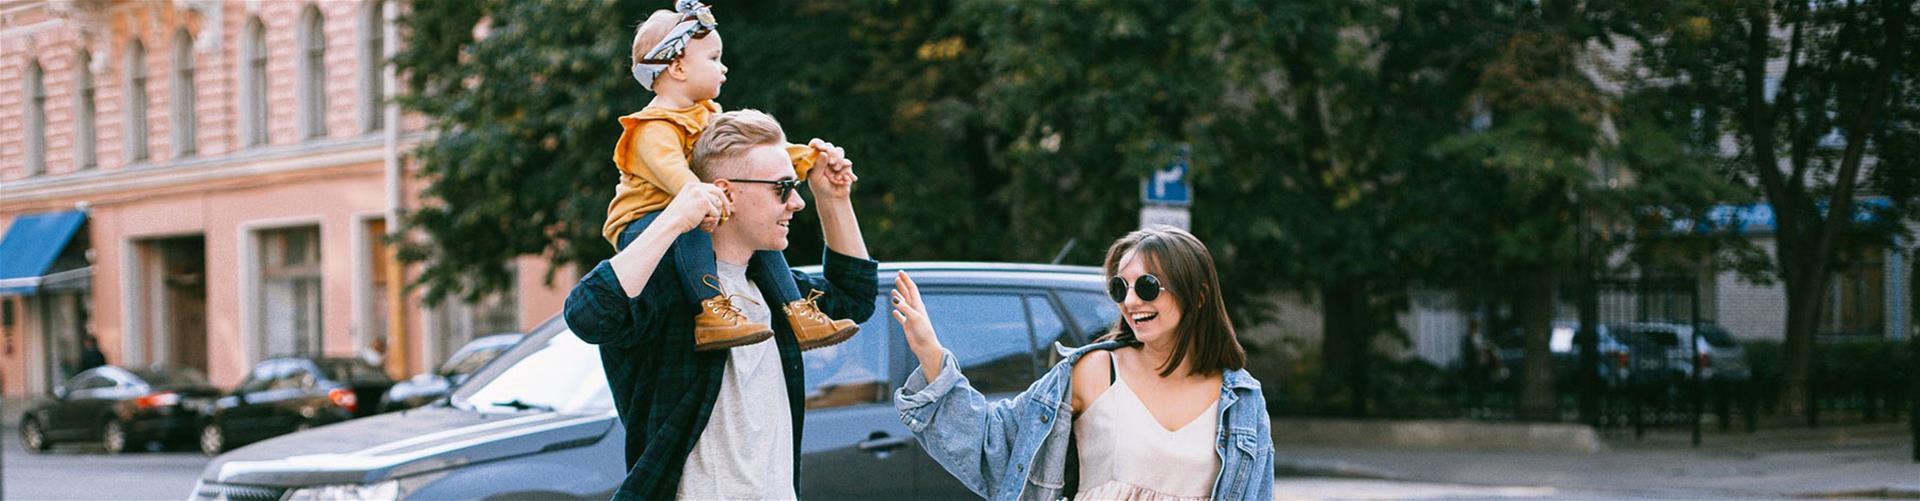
[113, 436]
[32, 437]
[213, 439]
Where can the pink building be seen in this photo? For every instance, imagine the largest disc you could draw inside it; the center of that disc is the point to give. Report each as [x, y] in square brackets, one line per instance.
[204, 184]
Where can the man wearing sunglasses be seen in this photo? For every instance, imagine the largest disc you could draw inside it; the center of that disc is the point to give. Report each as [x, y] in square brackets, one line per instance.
[724, 423]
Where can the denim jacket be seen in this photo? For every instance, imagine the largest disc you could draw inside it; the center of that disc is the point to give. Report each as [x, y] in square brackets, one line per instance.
[1017, 448]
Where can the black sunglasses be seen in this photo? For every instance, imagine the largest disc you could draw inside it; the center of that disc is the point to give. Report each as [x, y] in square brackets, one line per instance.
[786, 186]
[1147, 287]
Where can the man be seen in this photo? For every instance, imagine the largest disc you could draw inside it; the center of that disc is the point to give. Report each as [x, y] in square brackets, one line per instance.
[725, 423]
[90, 354]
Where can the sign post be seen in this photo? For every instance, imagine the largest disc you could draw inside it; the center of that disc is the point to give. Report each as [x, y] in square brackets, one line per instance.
[1166, 195]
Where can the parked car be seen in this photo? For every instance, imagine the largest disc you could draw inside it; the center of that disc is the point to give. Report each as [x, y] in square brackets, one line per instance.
[1563, 344]
[427, 387]
[539, 422]
[1720, 356]
[119, 408]
[1661, 354]
[284, 395]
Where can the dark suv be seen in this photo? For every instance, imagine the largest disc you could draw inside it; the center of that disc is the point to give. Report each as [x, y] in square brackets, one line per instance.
[538, 422]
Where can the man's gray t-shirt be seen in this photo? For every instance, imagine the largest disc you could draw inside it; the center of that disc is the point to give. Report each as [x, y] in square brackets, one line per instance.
[746, 450]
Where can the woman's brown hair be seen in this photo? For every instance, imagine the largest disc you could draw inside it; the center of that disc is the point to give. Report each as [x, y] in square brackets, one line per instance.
[1185, 268]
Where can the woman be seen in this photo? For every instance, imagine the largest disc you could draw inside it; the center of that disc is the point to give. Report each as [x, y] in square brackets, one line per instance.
[1160, 408]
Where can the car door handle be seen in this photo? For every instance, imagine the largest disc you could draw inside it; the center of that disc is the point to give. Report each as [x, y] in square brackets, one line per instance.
[881, 442]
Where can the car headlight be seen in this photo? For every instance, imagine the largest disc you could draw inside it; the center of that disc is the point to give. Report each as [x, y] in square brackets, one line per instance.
[384, 490]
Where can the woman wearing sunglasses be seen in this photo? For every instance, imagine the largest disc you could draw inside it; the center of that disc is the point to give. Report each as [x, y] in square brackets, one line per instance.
[1160, 408]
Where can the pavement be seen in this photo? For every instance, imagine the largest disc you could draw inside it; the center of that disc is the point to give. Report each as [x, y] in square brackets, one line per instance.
[1871, 461]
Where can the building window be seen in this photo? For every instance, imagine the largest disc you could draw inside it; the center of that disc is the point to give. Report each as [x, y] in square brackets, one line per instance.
[288, 306]
[1856, 297]
[313, 74]
[184, 142]
[373, 83]
[36, 120]
[136, 101]
[86, 153]
[253, 98]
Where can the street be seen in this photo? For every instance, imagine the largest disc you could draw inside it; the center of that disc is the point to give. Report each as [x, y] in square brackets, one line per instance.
[1839, 463]
[83, 471]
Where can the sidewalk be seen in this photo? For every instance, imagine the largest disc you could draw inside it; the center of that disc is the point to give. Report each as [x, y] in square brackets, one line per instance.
[1872, 461]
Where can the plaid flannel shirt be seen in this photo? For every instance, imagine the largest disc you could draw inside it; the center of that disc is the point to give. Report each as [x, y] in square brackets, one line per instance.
[665, 391]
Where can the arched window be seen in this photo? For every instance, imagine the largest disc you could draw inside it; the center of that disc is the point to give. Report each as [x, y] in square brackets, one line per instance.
[253, 95]
[136, 101]
[313, 74]
[86, 153]
[184, 142]
[36, 120]
[373, 63]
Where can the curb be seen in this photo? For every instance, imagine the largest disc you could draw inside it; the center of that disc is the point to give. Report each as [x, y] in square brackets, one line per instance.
[1886, 492]
[1440, 434]
[1330, 469]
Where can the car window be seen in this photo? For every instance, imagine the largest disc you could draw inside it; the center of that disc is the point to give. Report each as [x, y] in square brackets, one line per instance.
[1653, 337]
[562, 374]
[292, 375]
[988, 333]
[1717, 337]
[262, 375]
[1093, 313]
[466, 362]
[1048, 327]
[853, 372]
[353, 372]
[172, 377]
[92, 381]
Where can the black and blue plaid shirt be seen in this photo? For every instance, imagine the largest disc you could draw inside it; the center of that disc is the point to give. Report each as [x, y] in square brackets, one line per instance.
[664, 390]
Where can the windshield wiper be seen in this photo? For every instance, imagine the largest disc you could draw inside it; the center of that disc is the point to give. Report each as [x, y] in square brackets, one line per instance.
[518, 405]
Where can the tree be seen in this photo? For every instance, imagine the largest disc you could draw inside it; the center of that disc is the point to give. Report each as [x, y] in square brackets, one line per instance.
[519, 163]
[1834, 123]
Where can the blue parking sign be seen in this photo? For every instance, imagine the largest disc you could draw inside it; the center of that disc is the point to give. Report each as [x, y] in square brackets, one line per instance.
[1168, 185]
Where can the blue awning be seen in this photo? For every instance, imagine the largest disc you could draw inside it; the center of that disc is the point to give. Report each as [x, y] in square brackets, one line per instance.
[32, 243]
[1759, 218]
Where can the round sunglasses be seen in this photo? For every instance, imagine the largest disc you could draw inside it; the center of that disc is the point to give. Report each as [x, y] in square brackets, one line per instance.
[1147, 287]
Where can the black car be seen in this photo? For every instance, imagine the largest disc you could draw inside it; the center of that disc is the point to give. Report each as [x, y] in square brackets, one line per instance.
[427, 387]
[539, 423]
[284, 395]
[119, 408]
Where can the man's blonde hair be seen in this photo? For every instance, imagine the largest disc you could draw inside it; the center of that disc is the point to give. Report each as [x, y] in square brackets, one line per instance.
[651, 31]
[731, 136]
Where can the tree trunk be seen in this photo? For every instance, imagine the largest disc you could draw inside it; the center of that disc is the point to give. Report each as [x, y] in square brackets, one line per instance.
[1806, 287]
[1344, 346]
[1536, 310]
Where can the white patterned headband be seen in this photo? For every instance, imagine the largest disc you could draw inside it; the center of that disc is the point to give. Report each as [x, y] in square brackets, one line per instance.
[696, 22]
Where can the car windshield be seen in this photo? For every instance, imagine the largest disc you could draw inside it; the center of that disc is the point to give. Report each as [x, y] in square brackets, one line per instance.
[353, 372]
[556, 372]
[469, 361]
[1716, 336]
[1663, 338]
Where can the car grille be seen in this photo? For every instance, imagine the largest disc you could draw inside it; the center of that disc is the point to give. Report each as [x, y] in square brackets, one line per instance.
[238, 492]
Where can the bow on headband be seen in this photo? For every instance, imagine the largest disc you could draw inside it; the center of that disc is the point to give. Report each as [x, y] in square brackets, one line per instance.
[696, 21]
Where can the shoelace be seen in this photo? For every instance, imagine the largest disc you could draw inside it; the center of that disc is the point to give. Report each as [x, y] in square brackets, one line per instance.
[724, 301]
[812, 309]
